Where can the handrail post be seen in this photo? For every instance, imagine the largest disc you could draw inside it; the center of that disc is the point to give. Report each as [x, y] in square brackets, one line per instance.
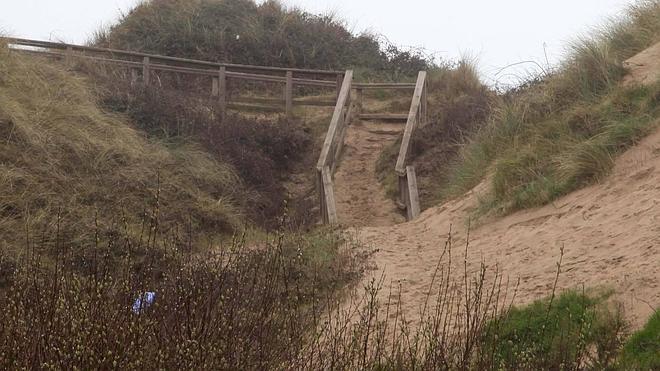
[146, 71]
[358, 101]
[68, 58]
[222, 91]
[340, 81]
[289, 94]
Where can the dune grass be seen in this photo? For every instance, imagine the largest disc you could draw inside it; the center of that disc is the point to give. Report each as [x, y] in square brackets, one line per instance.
[61, 154]
[564, 131]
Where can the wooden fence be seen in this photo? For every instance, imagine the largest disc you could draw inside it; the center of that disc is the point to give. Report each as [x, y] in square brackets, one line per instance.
[331, 150]
[146, 66]
[418, 115]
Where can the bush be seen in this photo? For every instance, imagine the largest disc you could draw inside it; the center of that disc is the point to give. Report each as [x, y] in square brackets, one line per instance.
[262, 151]
[548, 334]
[642, 350]
[242, 31]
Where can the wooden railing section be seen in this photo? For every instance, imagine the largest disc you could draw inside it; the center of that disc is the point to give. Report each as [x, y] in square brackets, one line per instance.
[147, 65]
[331, 151]
[418, 115]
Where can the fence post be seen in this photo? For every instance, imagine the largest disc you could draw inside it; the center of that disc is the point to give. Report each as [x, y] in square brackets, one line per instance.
[146, 71]
[214, 86]
[289, 94]
[340, 81]
[358, 102]
[222, 91]
[68, 58]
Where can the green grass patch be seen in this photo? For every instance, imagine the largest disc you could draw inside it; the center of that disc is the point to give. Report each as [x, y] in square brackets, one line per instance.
[642, 350]
[548, 333]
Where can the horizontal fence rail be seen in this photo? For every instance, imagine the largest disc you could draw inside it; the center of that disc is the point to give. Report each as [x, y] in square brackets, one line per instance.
[418, 115]
[145, 65]
[332, 149]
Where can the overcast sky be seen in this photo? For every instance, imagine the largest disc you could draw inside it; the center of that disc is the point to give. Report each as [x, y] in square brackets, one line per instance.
[496, 32]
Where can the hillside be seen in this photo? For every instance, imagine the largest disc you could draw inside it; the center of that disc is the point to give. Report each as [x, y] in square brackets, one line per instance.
[267, 34]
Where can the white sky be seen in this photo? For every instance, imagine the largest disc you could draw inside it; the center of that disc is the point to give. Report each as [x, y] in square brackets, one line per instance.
[496, 32]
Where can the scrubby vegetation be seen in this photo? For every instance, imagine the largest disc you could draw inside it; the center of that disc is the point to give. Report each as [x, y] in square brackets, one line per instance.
[267, 34]
[642, 350]
[562, 131]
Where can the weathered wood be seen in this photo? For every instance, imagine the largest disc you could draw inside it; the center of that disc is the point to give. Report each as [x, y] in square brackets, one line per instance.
[389, 86]
[412, 206]
[314, 102]
[334, 123]
[253, 107]
[289, 94]
[155, 58]
[340, 82]
[146, 71]
[331, 206]
[410, 124]
[384, 116]
[214, 86]
[222, 92]
[320, 191]
[69, 57]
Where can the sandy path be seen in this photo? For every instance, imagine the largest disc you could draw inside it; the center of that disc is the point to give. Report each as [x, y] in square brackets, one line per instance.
[611, 234]
[360, 199]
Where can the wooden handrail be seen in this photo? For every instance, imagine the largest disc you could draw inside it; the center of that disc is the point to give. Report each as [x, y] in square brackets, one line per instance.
[331, 150]
[156, 57]
[408, 192]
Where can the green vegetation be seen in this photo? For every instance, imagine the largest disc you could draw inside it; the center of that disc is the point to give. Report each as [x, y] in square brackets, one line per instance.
[559, 332]
[642, 350]
[562, 131]
[242, 31]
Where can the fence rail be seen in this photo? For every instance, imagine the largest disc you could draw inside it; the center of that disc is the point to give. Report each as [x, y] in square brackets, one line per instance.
[418, 115]
[332, 149]
[147, 65]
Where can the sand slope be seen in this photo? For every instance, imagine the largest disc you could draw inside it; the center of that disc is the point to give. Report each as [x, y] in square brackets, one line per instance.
[610, 231]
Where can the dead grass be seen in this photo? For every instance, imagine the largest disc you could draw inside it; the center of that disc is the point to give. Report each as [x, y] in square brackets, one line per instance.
[58, 150]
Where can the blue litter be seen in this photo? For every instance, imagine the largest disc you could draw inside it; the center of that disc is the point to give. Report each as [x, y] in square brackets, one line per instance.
[143, 302]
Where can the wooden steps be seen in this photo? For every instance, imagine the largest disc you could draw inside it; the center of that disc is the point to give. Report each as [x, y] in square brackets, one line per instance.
[401, 117]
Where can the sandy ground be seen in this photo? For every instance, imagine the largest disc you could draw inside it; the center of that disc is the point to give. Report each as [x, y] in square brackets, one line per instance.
[643, 68]
[610, 232]
[360, 199]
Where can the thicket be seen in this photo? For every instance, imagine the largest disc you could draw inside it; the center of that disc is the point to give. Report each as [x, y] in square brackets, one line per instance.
[562, 131]
[268, 34]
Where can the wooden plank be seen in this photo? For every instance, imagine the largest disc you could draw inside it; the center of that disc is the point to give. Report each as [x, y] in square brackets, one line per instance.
[214, 86]
[314, 102]
[146, 71]
[413, 210]
[410, 124]
[384, 116]
[155, 57]
[222, 92]
[334, 123]
[390, 86]
[320, 191]
[330, 204]
[340, 82]
[253, 107]
[289, 94]
[310, 82]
